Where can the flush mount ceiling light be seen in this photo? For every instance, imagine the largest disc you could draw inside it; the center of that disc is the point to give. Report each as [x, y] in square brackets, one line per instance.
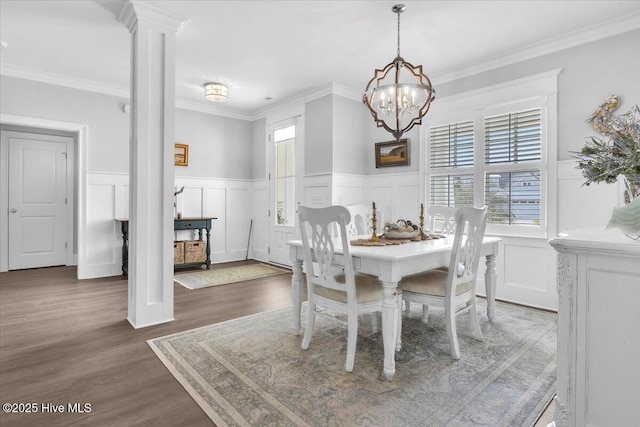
[399, 95]
[216, 92]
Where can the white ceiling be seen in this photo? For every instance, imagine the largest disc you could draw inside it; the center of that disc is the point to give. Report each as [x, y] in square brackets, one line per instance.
[284, 49]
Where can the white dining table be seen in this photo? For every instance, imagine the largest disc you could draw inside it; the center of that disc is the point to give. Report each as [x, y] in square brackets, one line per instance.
[390, 264]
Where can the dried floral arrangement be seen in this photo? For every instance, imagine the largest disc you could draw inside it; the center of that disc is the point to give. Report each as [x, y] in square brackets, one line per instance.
[603, 159]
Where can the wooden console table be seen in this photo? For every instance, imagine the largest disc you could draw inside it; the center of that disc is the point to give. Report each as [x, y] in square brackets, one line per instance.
[199, 224]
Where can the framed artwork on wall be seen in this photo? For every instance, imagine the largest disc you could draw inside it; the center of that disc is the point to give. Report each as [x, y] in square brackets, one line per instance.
[392, 153]
[181, 155]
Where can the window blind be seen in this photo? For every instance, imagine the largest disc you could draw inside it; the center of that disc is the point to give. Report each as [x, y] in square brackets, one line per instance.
[452, 145]
[451, 190]
[513, 137]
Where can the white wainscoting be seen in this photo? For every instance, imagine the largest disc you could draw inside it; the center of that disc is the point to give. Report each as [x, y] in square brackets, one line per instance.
[526, 266]
[397, 196]
[317, 190]
[583, 206]
[259, 213]
[227, 200]
[108, 198]
[526, 272]
[349, 189]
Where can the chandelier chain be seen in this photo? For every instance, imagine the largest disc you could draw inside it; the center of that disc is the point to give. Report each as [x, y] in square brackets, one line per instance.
[399, 32]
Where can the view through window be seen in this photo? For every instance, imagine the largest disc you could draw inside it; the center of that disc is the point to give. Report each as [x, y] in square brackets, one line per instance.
[284, 140]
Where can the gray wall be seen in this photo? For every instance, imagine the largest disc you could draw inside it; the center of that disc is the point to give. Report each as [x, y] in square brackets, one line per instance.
[591, 72]
[108, 135]
[350, 138]
[318, 136]
[219, 147]
[259, 149]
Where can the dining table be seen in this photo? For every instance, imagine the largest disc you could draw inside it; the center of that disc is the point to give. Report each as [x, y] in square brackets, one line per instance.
[390, 263]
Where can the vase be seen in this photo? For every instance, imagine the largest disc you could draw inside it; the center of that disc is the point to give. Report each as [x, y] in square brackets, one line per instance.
[631, 187]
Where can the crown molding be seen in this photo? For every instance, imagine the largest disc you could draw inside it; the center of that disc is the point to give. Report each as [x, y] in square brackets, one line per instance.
[604, 30]
[347, 92]
[60, 80]
[596, 32]
[212, 109]
[331, 89]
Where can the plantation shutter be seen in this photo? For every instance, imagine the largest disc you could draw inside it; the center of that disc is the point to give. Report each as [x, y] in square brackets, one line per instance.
[452, 145]
[513, 196]
[451, 190]
[451, 151]
[513, 137]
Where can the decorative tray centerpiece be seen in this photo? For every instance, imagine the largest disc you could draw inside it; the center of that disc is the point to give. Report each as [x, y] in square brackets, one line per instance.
[401, 229]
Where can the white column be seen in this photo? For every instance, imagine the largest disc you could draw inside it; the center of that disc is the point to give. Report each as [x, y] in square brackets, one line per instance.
[151, 168]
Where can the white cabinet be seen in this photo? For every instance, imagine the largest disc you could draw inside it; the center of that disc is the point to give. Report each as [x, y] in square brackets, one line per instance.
[598, 281]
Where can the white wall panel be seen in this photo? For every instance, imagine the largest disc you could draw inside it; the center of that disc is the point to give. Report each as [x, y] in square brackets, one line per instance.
[100, 222]
[349, 189]
[217, 207]
[396, 195]
[107, 199]
[583, 206]
[238, 223]
[529, 267]
[317, 190]
[259, 229]
[190, 201]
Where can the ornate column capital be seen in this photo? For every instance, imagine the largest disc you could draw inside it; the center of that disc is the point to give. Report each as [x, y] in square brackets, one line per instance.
[136, 10]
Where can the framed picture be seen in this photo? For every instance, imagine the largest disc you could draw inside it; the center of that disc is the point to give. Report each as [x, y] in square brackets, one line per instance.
[181, 155]
[392, 153]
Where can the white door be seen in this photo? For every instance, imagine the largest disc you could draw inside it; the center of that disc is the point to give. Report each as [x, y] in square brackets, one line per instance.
[37, 200]
[284, 150]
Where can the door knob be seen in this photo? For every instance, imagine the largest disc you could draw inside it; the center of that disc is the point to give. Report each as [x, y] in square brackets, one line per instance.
[14, 210]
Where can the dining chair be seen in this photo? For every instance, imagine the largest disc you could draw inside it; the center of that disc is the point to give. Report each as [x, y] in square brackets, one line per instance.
[331, 281]
[361, 224]
[442, 219]
[454, 289]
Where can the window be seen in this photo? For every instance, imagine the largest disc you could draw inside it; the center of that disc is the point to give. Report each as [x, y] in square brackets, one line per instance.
[497, 147]
[507, 175]
[285, 189]
[451, 148]
[512, 142]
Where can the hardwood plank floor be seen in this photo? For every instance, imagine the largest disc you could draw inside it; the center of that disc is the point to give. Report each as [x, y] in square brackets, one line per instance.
[64, 340]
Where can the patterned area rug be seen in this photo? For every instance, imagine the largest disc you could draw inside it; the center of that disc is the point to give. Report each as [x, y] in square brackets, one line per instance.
[252, 371]
[222, 276]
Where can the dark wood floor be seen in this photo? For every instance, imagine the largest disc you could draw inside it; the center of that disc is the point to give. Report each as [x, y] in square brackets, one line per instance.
[64, 340]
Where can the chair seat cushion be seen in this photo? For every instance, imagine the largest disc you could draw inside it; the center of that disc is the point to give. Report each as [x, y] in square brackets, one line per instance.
[368, 288]
[432, 282]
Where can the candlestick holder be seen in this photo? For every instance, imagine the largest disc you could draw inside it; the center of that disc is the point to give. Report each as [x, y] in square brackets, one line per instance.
[374, 221]
[421, 235]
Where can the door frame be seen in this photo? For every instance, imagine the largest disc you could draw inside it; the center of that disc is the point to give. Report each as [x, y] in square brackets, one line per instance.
[74, 152]
[295, 113]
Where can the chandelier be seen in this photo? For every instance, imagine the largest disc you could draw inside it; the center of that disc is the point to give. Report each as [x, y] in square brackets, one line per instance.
[399, 95]
[216, 92]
